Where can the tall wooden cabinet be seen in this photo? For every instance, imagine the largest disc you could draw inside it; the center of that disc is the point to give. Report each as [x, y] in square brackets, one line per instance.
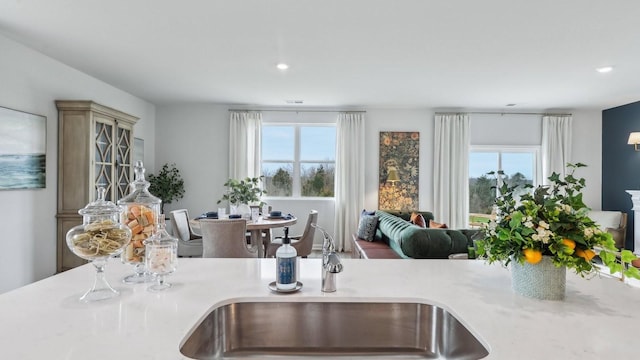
[95, 148]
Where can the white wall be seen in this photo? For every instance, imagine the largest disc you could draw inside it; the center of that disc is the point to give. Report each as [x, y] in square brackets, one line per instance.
[31, 82]
[587, 148]
[507, 129]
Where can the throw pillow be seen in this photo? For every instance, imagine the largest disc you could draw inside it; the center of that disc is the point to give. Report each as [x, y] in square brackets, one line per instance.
[437, 225]
[367, 227]
[417, 219]
[365, 212]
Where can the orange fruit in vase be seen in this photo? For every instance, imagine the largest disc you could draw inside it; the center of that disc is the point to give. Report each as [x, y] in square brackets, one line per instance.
[532, 256]
[586, 254]
[570, 243]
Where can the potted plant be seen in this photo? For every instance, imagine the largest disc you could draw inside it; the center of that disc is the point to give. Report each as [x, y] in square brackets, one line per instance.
[550, 223]
[167, 185]
[243, 192]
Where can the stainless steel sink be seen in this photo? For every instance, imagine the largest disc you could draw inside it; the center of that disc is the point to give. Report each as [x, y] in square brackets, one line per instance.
[367, 329]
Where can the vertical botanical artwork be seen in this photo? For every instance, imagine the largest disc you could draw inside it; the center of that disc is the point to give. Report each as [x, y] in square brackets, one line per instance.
[399, 170]
[23, 139]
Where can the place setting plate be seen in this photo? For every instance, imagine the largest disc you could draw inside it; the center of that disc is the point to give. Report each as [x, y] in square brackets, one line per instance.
[274, 215]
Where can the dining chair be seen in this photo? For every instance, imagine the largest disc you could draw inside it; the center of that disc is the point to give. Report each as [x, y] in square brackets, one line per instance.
[189, 243]
[225, 238]
[302, 243]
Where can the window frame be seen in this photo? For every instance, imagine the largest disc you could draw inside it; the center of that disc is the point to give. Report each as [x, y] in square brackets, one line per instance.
[296, 186]
[500, 149]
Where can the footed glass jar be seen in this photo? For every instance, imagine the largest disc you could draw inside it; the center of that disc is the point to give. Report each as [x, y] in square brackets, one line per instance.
[161, 256]
[100, 236]
[141, 211]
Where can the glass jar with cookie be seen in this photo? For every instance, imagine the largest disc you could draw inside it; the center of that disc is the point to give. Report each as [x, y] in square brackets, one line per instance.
[100, 237]
[141, 211]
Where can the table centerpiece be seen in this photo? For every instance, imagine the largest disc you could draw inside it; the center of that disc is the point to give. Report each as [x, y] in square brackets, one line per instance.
[242, 193]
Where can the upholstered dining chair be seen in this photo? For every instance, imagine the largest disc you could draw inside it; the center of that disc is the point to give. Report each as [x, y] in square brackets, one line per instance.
[225, 238]
[189, 243]
[302, 243]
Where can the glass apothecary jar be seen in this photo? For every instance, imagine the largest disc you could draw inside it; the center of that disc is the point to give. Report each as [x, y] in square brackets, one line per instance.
[100, 236]
[141, 211]
[161, 256]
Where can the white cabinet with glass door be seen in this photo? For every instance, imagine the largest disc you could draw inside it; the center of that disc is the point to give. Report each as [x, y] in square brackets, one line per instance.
[95, 148]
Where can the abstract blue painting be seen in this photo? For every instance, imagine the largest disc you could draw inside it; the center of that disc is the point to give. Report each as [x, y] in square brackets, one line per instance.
[23, 148]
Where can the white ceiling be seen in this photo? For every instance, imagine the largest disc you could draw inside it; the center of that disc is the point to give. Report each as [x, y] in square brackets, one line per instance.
[443, 54]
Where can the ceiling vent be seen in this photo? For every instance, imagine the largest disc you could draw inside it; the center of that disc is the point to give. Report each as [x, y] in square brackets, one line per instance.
[294, 101]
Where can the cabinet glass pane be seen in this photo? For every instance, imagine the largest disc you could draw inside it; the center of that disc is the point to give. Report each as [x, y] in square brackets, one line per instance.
[124, 146]
[103, 179]
[123, 162]
[104, 142]
[103, 159]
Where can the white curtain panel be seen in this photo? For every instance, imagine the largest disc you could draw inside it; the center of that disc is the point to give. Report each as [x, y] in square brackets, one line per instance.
[349, 177]
[451, 170]
[556, 145]
[245, 144]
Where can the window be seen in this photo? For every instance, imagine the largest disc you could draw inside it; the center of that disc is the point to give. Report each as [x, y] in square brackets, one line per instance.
[519, 164]
[298, 160]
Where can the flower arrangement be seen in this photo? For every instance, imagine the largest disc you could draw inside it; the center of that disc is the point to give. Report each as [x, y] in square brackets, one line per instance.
[245, 191]
[552, 221]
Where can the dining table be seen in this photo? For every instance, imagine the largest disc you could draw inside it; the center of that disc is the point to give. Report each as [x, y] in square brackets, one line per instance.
[262, 224]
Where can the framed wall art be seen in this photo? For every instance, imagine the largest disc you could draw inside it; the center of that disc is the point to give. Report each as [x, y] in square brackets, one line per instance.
[399, 170]
[23, 150]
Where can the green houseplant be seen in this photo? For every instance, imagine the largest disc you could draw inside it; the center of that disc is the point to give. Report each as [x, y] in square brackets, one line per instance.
[167, 184]
[551, 221]
[245, 191]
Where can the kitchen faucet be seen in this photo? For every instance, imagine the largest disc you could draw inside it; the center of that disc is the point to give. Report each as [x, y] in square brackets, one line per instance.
[331, 264]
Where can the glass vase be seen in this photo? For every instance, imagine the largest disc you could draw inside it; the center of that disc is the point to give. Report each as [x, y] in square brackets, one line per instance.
[161, 256]
[99, 237]
[141, 212]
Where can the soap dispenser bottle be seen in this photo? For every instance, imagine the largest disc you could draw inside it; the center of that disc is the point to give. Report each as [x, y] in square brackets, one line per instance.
[286, 261]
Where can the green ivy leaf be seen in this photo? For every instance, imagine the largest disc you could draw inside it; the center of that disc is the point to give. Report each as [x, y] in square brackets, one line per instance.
[632, 272]
[627, 256]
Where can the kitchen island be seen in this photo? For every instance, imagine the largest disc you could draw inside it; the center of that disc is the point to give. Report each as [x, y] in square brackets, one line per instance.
[600, 317]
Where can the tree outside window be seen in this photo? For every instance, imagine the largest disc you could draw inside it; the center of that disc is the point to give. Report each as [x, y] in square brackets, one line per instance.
[519, 166]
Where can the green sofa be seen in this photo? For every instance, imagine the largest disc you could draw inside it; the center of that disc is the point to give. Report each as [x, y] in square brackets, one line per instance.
[411, 241]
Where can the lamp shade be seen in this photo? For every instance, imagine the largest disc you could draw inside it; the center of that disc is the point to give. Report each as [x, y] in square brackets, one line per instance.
[634, 138]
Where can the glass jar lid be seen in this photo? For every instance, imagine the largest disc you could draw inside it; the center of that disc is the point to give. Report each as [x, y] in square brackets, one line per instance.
[139, 188]
[100, 207]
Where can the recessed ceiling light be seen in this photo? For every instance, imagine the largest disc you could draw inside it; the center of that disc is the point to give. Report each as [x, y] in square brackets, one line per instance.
[282, 66]
[604, 69]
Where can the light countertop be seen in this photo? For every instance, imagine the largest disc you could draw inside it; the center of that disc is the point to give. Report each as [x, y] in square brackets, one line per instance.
[600, 317]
